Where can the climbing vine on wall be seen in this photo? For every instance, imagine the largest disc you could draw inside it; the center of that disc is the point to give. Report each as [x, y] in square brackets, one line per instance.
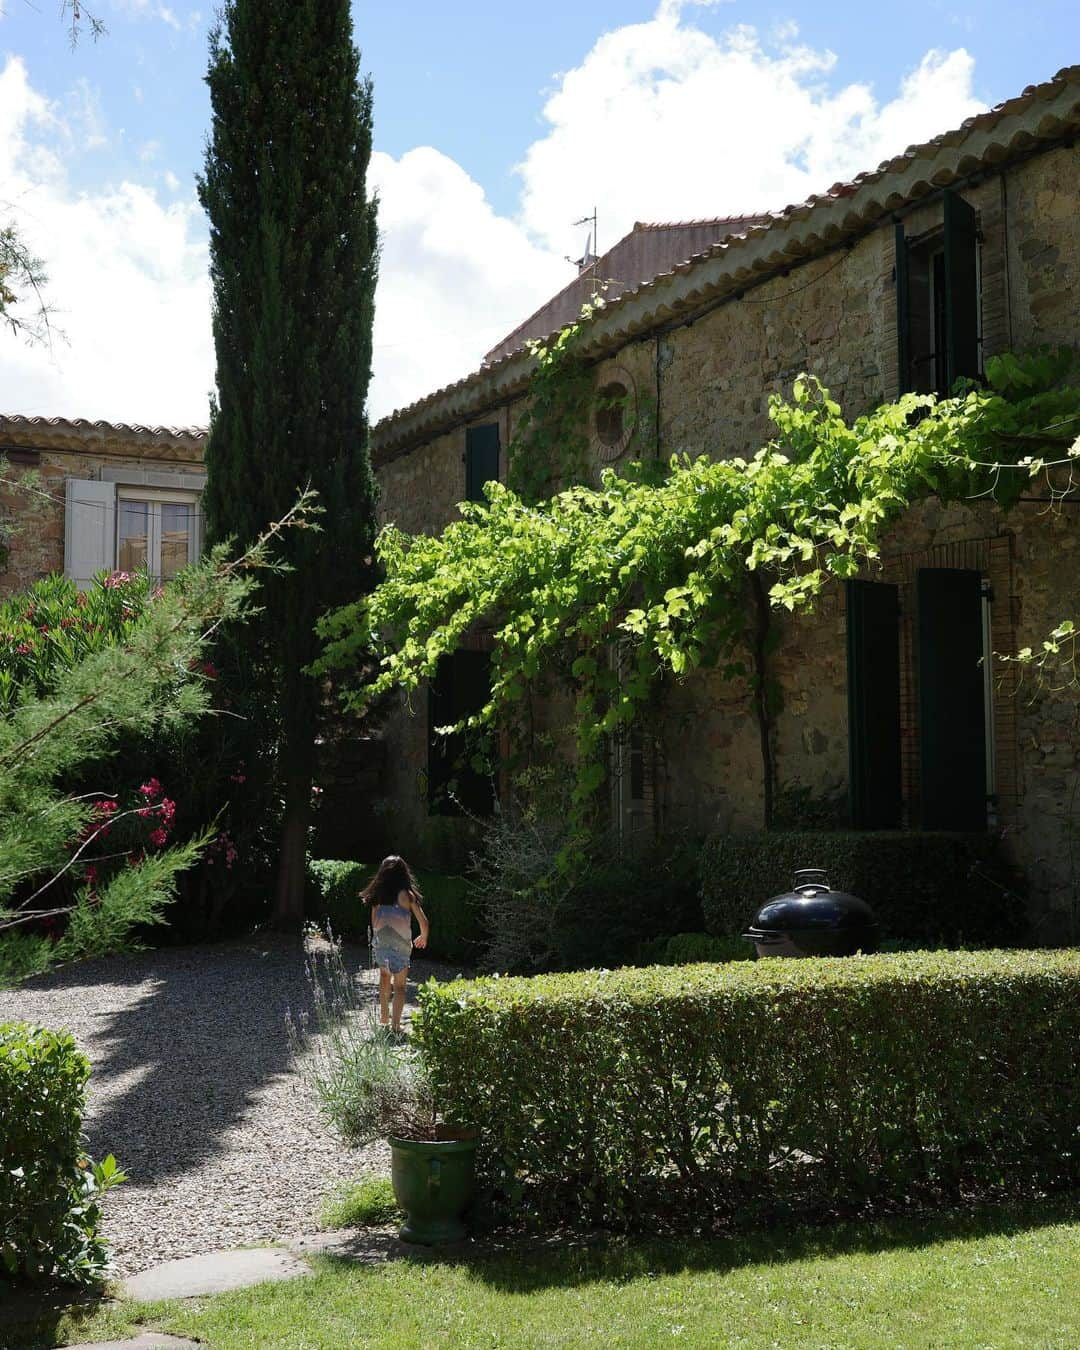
[670, 567]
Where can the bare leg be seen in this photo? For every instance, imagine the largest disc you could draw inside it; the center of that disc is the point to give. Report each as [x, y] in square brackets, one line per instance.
[384, 996]
[399, 996]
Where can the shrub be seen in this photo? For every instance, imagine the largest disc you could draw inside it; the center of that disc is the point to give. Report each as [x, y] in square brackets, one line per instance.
[684, 949]
[449, 902]
[925, 887]
[50, 1192]
[767, 1085]
[369, 1086]
[540, 919]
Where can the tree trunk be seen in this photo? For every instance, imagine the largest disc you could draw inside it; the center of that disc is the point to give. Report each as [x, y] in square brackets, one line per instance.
[297, 765]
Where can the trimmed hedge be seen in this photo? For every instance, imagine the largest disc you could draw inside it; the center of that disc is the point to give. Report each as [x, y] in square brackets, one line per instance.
[449, 902]
[928, 887]
[765, 1086]
[49, 1189]
[683, 949]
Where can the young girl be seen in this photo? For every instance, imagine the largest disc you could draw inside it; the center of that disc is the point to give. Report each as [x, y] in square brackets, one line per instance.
[394, 898]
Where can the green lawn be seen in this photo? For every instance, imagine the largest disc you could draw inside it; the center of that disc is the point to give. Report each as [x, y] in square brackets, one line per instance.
[1002, 1277]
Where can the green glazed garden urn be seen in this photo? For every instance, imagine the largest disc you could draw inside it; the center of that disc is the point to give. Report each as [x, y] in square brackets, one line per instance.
[433, 1183]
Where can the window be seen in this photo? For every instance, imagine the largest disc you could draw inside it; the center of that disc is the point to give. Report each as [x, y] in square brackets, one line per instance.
[938, 302]
[481, 459]
[156, 532]
[458, 779]
[952, 782]
[128, 527]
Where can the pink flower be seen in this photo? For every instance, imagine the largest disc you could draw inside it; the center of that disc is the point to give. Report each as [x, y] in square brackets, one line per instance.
[210, 670]
[167, 809]
[91, 874]
[231, 855]
[106, 807]
[116, 580]
[151, 789]
[24, 649]
[238, 777]
[145, 811]
[159, 838]
[44, 628]
[67, 623]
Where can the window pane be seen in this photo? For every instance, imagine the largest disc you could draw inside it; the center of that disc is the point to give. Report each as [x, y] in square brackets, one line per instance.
[134, 534]
[177, 524]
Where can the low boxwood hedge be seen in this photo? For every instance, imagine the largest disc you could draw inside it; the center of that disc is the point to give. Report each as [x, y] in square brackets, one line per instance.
[928, 887]
[49, 1190]
[759, 1086]
[682, 949]
[450, 903]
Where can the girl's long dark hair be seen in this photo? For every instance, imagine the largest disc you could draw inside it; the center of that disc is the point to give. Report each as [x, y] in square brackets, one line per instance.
[393, 877]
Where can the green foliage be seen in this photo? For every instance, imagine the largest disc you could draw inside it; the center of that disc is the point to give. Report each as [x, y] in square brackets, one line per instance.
[450, 903]
[54, 625]
[665, 568]
[539, 917]
[50, 1192]
[369, 1203]
[59, 868]
[294, 247]
[928, 887]
[370, 1085]
[550, 444]
[684, 949]
[768, 1086]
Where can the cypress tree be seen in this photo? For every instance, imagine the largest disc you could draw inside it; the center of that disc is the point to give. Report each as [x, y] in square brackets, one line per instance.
[293, 261]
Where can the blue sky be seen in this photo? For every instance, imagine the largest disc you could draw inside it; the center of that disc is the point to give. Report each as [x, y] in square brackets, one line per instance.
[650, 109]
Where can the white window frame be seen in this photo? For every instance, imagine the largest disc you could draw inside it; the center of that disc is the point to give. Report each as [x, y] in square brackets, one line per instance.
[155, 497]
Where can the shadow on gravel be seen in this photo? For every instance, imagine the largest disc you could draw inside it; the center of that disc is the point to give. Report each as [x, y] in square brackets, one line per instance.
[199, 1029]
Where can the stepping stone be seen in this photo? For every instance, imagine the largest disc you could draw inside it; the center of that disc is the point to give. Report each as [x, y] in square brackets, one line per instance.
[214, 1274]
[146, 1341]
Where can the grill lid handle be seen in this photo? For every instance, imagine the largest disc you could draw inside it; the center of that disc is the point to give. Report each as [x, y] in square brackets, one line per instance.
[811, 876]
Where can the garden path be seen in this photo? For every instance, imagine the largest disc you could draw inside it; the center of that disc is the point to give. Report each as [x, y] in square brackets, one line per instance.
[195, 1091]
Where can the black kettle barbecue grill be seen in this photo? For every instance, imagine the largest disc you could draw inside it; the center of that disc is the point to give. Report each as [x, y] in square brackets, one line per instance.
[813, 920]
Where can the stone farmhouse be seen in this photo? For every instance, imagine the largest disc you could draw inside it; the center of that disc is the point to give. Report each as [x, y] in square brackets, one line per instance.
[907, 277]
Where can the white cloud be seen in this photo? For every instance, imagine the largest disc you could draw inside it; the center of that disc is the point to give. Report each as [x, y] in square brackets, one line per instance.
[662, 121]
[454, 276]
[659, 121]
[127, 275]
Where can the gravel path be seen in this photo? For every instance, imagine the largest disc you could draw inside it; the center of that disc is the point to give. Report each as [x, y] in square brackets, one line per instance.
[195, 1091]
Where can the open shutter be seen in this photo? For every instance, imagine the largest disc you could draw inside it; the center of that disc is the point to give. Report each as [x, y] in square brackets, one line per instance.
[903, 314]
[873, 641]
[952, 725]
[481, 459]
[462, 686]
[961, 290]
[90, 530]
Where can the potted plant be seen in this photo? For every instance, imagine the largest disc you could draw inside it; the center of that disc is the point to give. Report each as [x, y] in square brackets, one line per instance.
[373, 1085]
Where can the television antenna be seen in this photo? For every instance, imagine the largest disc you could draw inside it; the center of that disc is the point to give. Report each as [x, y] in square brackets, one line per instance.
[592, 251]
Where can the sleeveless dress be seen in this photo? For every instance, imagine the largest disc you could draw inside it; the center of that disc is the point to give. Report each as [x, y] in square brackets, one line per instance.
[391, 937]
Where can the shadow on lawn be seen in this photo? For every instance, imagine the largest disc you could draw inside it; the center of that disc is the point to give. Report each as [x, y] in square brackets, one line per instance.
[524, 1266]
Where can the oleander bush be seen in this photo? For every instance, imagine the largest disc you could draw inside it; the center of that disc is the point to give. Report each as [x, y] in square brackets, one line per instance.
[765, 1087]
[50, 1191]
[924, 886]
[449, 902]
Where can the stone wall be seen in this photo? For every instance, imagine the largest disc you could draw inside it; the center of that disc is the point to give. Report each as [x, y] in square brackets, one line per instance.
[32, 516]
[703, 388]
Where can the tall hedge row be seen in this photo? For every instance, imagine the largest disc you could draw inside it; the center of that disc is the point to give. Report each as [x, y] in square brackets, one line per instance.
[621, 1095]
[49, 1190]
[924, 886]
[450, 903]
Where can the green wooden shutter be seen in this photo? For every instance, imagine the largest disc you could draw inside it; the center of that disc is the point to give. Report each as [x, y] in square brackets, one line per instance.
[961, 290]
[462, 686]
[873, 644]
[903, 314]
[952, 729]
[481, 459]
